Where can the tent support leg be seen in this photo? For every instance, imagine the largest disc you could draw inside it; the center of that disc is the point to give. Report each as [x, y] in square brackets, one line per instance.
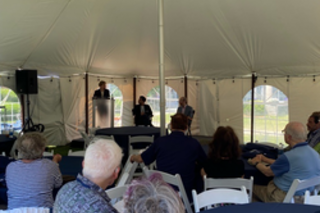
[161, 70]
[87, 102]
[253, 81]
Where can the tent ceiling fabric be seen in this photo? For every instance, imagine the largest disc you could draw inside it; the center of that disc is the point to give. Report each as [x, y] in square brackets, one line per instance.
[207, 38]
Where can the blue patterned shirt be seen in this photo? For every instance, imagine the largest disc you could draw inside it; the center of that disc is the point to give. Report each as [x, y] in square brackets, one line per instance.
[82, 196]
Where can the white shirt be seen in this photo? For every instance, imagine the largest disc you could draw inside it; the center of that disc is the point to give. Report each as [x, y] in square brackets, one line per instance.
[142, 109]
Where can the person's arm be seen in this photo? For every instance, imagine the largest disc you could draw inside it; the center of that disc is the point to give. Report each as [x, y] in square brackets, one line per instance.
[108, 94]
[190, 117]
[134, 111]
[261, 167]
[136, 158]
[266, 160]
[56, 171]
[203, 173]
[95, 94]
[151, 113]
[266, 170]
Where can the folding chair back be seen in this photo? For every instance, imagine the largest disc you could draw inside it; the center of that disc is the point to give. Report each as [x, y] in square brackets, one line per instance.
[215, 196]
[298, 185]
[230, 183]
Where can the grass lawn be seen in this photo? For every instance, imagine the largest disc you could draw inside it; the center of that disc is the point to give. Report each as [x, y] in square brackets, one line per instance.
[267, 128]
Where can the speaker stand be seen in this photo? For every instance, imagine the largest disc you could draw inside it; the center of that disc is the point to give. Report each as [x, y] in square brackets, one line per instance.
[28, 122]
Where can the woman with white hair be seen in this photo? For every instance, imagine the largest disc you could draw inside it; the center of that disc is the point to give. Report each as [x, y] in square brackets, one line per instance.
[31, 179]
[152, 195]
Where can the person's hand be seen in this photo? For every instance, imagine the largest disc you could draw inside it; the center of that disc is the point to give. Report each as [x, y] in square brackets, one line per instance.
[132, 158]
[261, 156]
[57, 158]
[256, 159]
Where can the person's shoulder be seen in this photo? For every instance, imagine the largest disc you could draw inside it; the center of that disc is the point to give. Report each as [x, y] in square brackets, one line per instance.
[13, 164]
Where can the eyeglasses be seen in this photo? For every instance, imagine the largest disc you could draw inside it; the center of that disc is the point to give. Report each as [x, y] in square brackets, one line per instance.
[283, 131]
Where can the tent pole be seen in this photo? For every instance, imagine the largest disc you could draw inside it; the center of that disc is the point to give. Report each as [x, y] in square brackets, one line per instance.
[253, 81]
[22, 109]
[87, 102]
[185, 86]
[161, 69]
[134, 91]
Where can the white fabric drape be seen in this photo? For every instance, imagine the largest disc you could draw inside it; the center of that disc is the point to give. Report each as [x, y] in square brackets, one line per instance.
[73, 105]
[208, 120]
[193, 101]
[303, 98]
[231, 93]
[46, 108]
[222, 105]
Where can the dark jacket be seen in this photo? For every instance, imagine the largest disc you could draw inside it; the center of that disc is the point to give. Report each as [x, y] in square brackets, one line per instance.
[97, 94]
[142, 119]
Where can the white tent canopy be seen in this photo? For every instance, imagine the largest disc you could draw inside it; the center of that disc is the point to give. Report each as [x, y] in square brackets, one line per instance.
[118, 39]
[210, 38]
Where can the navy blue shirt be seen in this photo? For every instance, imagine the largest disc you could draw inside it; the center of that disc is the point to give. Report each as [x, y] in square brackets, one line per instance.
[176, 154]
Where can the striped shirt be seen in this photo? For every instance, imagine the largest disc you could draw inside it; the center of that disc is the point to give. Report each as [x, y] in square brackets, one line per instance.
[31, 184]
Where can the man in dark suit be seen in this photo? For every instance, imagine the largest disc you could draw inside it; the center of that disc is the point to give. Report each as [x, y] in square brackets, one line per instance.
[142, 113]
[102, 92]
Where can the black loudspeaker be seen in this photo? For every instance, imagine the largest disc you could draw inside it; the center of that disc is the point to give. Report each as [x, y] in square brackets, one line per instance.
[26, 81]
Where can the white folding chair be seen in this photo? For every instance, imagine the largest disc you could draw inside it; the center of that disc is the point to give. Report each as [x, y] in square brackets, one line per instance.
[108, 137]
[76, 153]
[230, 183]
[311, 199]
[48, 154]
[139, 139]
[86, 139]
[298, 185]
[216, 196]
[128, 169]
[117, 192]
[116, 197]
[174, 180]
[92, 131]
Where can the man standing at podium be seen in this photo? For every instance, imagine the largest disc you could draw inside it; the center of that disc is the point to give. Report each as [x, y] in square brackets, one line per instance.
[102, 92]
[142, 113]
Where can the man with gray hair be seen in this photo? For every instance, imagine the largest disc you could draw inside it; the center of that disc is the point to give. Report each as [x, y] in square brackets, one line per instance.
[87, 193]
[301, 162]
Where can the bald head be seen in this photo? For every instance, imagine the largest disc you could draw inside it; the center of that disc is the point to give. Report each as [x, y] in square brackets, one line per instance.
[296, 131]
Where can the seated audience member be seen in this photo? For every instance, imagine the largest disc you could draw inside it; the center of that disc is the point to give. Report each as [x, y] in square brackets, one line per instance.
[223, 158]
[87, 193]
[142, 113]
[152, 195]
[176, 153]
[31, 179]
[301, 162]
[314, 131]
[185, 109]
